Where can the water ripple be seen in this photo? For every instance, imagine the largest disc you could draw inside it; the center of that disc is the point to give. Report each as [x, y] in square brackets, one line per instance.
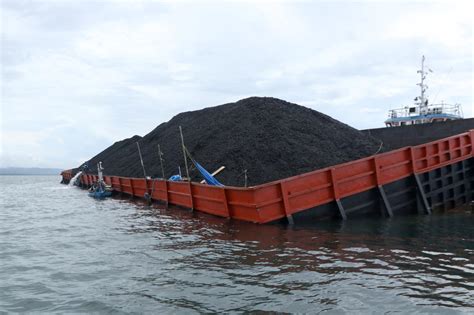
[64, 252]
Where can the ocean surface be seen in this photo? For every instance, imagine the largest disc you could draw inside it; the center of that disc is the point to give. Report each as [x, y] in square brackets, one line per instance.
[62, 251]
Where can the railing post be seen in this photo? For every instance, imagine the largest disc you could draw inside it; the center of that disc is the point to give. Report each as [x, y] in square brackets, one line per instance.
[469, 189]
[226, 205]
[166, 193]
[377, 171]
[286, 203]
[386, 203]
[148, 192]
[191, 195]
[335, 191]
[413, 161]
[130, 181]
[334, 184]
[471, 134]
[120, 185]
[421, 194]
[419, 187]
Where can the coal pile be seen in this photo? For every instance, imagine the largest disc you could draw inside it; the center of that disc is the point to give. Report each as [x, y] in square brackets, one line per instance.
[268, 137]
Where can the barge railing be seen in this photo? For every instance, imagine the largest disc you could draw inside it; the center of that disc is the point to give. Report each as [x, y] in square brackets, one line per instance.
[287, 197]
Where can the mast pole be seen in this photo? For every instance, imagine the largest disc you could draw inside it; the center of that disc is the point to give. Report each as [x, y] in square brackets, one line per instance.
[99, 171]
[161, 162]
[422, 98]
[144, 173]
[184, 153]
[422, 85]
[141, 160]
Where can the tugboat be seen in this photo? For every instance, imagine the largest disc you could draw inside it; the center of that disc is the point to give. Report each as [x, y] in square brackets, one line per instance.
[422, 112]
[100, 189]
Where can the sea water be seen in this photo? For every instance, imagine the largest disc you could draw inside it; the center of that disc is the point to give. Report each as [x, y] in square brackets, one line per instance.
[62, 251]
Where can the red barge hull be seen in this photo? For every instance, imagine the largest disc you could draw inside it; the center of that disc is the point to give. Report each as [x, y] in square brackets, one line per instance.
[421, 178]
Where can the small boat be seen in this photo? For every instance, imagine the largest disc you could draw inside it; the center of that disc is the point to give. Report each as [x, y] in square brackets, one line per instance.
[99, 192]
[421, 112]
[100, 189]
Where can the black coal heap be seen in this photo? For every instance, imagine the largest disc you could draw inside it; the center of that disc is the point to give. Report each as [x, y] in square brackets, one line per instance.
[269, 137]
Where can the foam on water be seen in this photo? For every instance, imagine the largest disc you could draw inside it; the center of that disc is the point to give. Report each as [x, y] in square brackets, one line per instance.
[73, 180]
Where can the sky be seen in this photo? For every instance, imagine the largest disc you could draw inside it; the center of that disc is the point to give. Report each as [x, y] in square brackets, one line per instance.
[76, 76]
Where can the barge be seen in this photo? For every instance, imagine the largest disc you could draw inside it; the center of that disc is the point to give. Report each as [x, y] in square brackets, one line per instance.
[420, 178]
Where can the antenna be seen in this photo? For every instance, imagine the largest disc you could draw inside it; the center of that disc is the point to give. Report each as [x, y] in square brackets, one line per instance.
[423, 101]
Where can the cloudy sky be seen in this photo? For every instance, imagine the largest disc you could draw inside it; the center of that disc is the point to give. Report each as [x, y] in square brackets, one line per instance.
[77, 76]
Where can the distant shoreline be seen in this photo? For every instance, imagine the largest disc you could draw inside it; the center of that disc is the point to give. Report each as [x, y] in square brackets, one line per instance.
[2, 174]
[29, 171]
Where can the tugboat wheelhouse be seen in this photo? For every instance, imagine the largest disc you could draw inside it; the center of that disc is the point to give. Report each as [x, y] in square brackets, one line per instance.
[422, 112]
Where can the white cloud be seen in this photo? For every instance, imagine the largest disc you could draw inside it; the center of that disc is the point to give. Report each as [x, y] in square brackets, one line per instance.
[447, 25]
[77, 76]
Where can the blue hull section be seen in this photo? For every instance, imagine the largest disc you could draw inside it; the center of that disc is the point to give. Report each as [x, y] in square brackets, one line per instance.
[100, 194]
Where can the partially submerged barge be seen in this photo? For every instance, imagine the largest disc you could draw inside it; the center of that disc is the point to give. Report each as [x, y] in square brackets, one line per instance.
[422, 178]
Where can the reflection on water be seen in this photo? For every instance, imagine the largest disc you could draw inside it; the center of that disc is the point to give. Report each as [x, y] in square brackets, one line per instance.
[62, 251]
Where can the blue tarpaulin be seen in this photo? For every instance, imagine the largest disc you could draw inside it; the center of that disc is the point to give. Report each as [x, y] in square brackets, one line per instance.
[210, 180]
[175, 178]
